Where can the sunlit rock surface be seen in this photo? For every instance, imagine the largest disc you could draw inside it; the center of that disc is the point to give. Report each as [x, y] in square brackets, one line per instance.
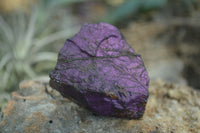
[36, 107]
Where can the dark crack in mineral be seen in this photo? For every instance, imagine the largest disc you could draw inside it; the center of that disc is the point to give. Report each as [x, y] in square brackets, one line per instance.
[99, 70]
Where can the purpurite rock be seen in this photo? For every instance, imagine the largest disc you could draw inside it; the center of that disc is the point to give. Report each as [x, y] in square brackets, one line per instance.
[99, 70]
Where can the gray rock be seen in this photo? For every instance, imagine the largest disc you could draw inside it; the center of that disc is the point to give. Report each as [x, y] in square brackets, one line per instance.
[36, 107]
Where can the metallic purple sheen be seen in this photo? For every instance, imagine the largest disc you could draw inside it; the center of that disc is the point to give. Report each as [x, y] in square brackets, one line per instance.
[99, 70]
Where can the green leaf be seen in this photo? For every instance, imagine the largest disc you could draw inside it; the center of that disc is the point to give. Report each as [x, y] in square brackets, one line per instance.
[38, 44]
[130, 7]
[44, 56]
[4, 60]
[29, 71]
[53, 3]
[5, 30]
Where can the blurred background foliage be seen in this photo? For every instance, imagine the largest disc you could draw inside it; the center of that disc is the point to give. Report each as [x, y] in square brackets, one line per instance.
[24, 39]
[33, 31]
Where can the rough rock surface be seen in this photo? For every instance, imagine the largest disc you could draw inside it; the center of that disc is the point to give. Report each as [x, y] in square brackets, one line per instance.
[36, 107]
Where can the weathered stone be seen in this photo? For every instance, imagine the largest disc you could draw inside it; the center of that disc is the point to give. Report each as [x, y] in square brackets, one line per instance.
[36, 107]
[99, 70]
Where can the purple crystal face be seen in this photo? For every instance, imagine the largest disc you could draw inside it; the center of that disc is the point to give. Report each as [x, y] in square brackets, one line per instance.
[99, 70]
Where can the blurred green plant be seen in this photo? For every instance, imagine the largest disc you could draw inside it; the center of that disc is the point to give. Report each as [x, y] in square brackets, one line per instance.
[53, 3]
[24, 39]
[130, 8]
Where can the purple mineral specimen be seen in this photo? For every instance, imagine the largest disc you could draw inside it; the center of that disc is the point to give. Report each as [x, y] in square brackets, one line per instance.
[99, 70]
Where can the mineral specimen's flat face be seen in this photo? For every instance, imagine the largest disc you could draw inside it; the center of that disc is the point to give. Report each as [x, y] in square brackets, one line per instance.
[99, 70]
